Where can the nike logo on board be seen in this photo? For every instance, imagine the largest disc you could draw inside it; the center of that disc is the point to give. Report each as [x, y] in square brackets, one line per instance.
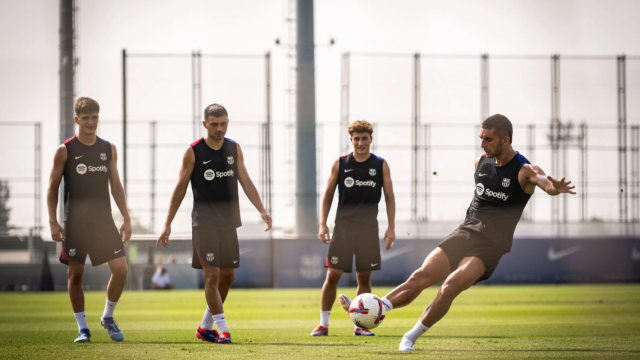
[78, 157]
[553, 255]
[635, 254]
[206, 162]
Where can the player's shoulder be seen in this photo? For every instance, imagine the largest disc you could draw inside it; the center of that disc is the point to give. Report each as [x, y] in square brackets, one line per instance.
[377, 158]
[522, 160]
[193, 144]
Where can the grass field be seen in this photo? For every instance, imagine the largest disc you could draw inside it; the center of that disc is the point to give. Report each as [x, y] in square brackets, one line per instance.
[565, 321]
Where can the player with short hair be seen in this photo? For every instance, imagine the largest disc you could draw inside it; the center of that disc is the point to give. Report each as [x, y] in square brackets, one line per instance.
[505, 180]
[89, 166]
[360, 176]
[214, 165]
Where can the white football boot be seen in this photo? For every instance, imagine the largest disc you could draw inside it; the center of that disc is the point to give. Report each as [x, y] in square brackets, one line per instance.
[406, 344]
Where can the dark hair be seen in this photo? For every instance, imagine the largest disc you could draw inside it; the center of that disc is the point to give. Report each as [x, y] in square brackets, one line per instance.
[360, 126]
[499, 124]
[215, 110]
[86, 105]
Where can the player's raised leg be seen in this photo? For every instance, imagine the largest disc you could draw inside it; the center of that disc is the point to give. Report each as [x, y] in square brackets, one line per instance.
[434, 269]
[114, 291]
[468, 272]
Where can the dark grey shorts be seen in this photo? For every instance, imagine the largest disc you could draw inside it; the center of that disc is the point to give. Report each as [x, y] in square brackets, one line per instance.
[462, 243]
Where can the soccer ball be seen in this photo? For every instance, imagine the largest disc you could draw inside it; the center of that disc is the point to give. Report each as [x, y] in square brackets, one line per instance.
[367, 311]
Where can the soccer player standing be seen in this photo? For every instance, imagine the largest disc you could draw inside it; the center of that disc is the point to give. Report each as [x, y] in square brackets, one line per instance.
[214, 165]
[505, 180]
[360, 176]
[89, 166]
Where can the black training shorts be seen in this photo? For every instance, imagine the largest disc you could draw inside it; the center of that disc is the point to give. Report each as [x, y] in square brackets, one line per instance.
[215, 247]
[352, 238]
[462, 243]
[101, 241]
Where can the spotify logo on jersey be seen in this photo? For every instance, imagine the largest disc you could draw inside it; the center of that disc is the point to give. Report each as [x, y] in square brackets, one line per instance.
[479, 189]
[81, 169]
[209, 174]
[348, 182]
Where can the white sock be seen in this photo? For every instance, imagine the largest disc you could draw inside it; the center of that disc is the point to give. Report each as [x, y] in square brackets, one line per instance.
[81, 319]
[207, 320]
[108, 309]
[324, 318]
[417, 331]
[221, 323]
[387, 303]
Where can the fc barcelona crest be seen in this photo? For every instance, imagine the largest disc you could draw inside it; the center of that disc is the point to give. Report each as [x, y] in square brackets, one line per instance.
[230, 160]
[103, 156]
[334, 260]
[209, 257]
[372, 172]
[506, 182]
[72, 252]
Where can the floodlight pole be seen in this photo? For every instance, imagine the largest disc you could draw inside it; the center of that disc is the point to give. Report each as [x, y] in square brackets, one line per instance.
[622, 137]
[124, 120]
[306, 201]
[555, 131]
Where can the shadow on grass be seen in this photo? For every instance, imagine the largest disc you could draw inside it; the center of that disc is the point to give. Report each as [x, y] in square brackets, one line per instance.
[236, 344]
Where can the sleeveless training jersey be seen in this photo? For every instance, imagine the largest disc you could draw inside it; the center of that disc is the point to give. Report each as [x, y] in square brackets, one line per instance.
[214, 182]
[86, 181]
[498, 200]
[360, 189]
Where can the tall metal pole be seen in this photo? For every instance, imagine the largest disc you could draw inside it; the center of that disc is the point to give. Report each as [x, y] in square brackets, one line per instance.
[635, 173]
[344, 103]
[124, 120]
[196, 90]
[268, 133]
[582, 141]
[152, 176]
[622, 136]
[484, 87]
[306, 209]
[555, 130]
[38, 176]
[415, 109]
[67, 68]
[531, 129]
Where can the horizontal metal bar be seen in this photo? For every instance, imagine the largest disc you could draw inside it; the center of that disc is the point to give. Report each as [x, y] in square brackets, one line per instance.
[19, 123]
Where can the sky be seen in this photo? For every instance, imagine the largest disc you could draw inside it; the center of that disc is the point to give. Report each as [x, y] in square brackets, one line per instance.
[160, 89]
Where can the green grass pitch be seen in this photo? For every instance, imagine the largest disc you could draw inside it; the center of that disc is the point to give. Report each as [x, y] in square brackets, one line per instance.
[563, 321]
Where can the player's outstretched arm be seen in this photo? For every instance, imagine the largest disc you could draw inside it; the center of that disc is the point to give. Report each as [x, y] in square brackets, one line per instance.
[327, 199]
[117, 191]
[188, 162]
[59, 161]
[250, 189]
[390, 200]
[551, 186]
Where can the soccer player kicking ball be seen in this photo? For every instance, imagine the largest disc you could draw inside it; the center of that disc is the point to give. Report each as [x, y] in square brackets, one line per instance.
[360, 177]
[214, 165]
[89, 166]
[504, 181]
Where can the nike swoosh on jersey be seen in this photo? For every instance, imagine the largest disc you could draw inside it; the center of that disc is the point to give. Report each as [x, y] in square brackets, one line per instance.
[206, 162]
[347, 170]
[78, 157]
[483, 174]
[553, 255]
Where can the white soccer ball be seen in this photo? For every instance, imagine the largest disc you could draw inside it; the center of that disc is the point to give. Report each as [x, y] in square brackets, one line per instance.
[367, 311]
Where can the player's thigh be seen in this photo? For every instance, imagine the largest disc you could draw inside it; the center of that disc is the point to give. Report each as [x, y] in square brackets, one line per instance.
[435, 267]
[469, 271]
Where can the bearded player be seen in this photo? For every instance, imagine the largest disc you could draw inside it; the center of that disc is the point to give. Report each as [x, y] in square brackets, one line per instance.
[214, 165]
[360, 176]
[505, 180]
[89, 166]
